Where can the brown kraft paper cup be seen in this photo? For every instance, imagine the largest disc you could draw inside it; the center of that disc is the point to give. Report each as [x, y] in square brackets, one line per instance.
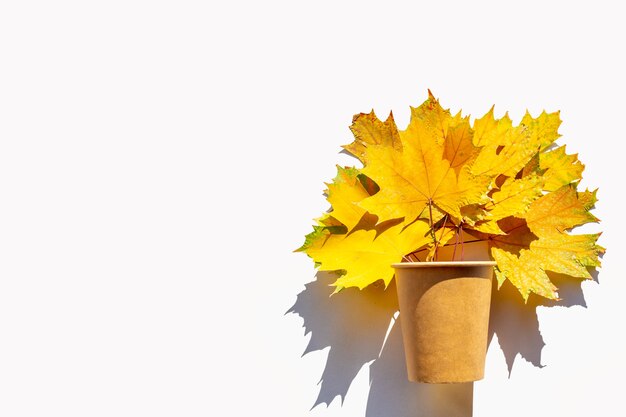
[444, 310]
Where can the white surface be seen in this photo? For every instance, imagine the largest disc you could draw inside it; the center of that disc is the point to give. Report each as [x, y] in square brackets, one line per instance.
[159, 161]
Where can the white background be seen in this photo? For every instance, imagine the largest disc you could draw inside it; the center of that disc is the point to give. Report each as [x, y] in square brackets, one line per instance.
[159, 161]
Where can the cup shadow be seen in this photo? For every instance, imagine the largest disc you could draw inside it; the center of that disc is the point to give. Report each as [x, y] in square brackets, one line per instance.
[392, 395]
[362, 327]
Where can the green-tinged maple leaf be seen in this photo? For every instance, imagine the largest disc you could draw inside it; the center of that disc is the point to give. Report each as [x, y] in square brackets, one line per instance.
[561, 253]
[317, 237]
[427, 170]
[332, 224]
[363, 257]
[567, 254]
[558, 211]
[525, 277]
[560, 168]
[588, 198]
[540, 243]
[347, 188]
[543, 130]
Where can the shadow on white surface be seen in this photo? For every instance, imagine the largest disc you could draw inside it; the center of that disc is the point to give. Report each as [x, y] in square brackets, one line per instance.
[356, 326]
[352, 323]
[516, 323]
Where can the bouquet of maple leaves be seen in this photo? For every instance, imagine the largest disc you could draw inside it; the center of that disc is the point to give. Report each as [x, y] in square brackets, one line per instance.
[442, 180]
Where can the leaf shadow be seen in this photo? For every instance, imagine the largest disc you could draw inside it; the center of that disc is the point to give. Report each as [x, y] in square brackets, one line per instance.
[362, 328]
[352, 323]
[516, 323]
[359, 327]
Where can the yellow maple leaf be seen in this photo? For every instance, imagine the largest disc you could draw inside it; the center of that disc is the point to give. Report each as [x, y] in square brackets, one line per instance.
[428, 173]
[489, 131]
[369, 130]
[363, 257]
[502, 184]
[508, 149]
[343, 193]
[514, 197]
[458, 147]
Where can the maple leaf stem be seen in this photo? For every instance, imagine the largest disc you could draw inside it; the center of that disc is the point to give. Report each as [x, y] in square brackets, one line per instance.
[462, 242]
[432, 230]
[456, 243]
[443, 228]
[447, 244]
[443, 231]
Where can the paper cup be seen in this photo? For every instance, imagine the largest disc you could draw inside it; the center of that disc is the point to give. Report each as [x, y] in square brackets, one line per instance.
[445, 319]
